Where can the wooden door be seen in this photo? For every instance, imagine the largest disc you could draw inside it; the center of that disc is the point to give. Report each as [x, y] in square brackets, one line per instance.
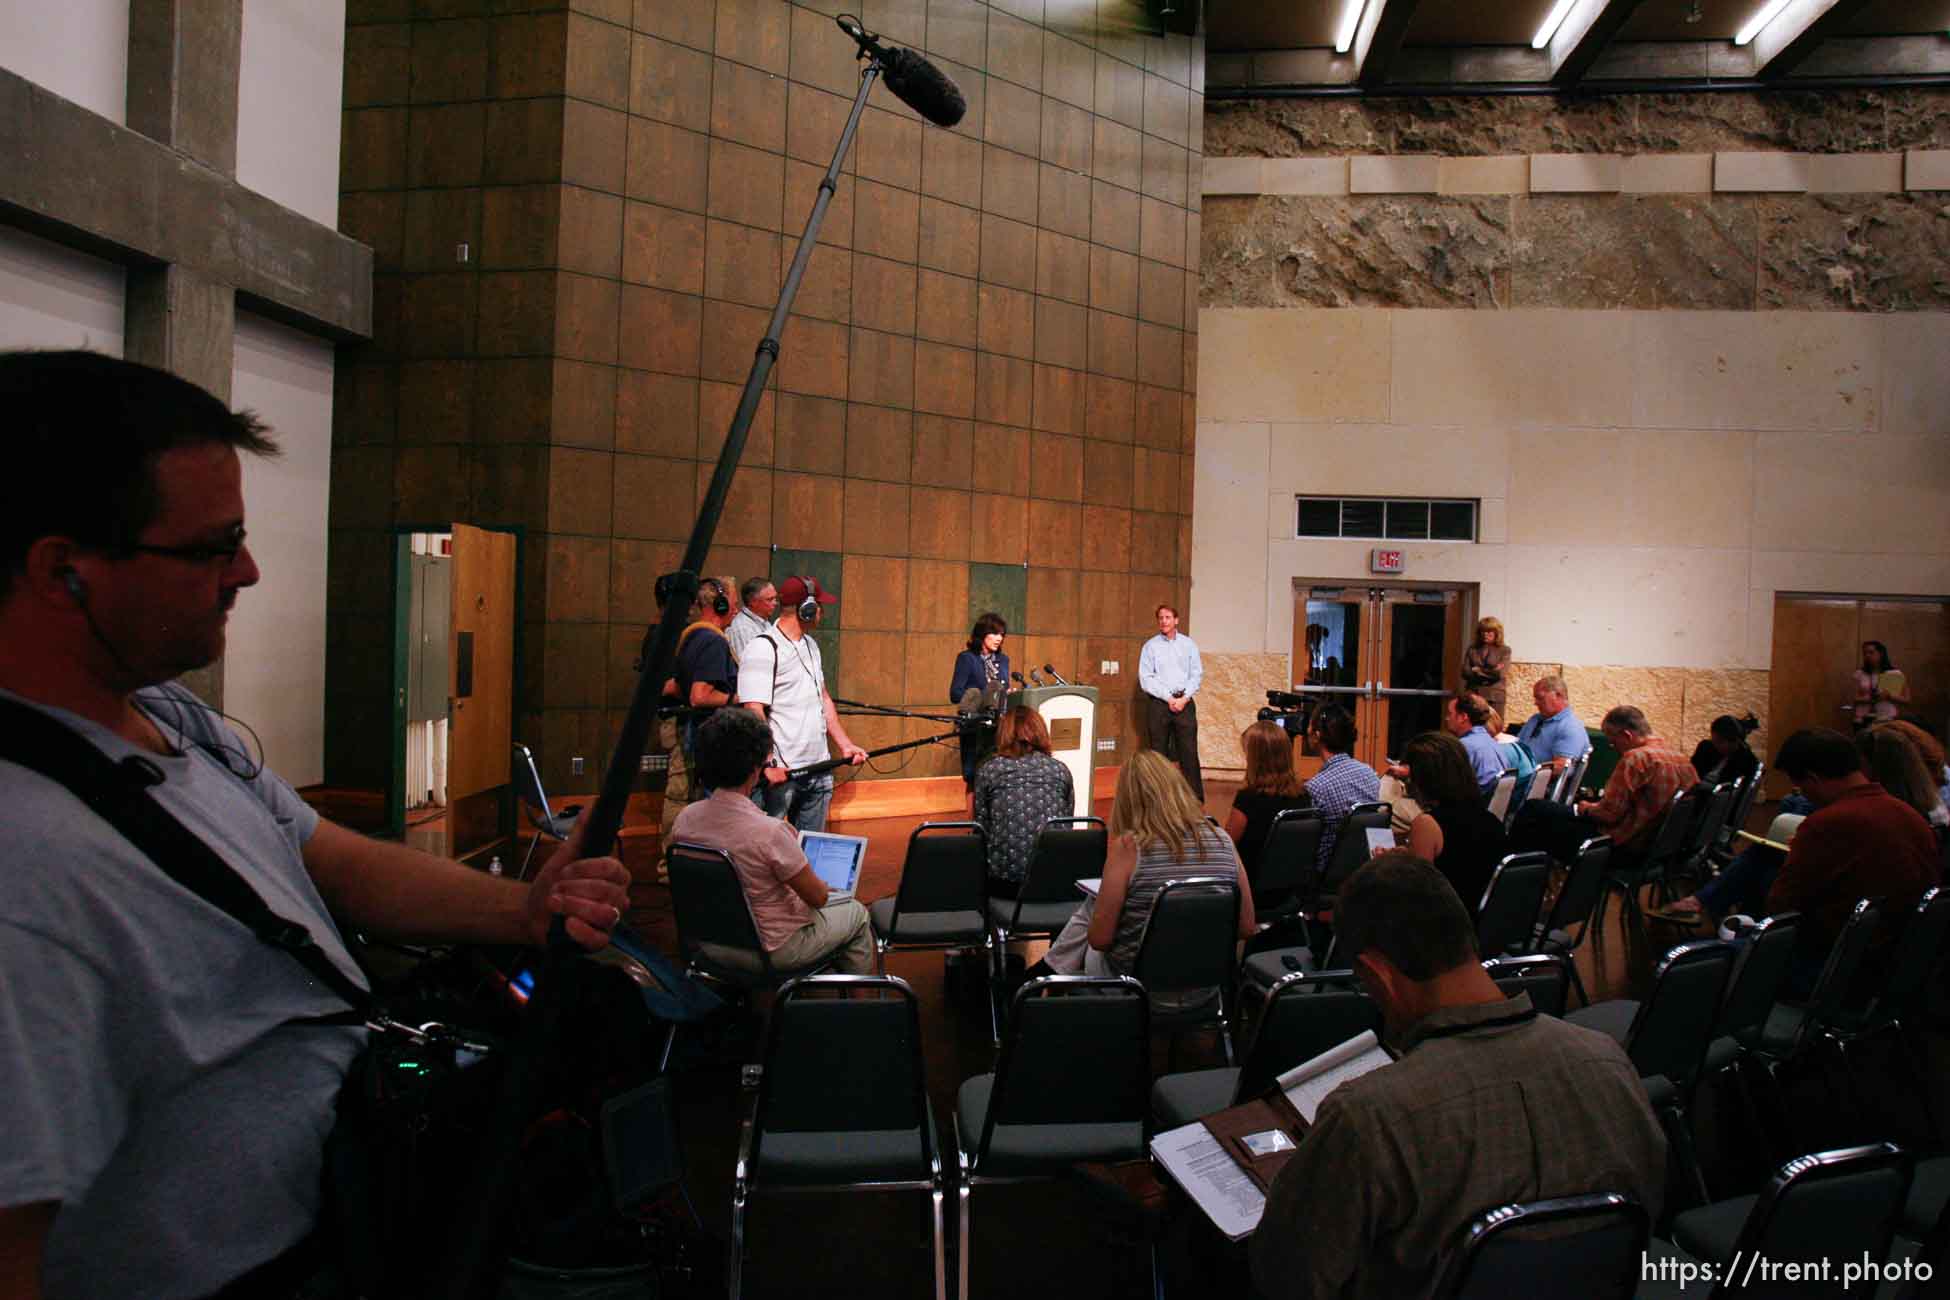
[481, 652]
[1918, 636]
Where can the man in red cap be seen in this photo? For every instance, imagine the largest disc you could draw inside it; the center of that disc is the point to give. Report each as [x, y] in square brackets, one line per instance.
[781, 678]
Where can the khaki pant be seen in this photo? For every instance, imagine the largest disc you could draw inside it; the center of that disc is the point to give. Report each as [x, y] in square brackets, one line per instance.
[841, 926]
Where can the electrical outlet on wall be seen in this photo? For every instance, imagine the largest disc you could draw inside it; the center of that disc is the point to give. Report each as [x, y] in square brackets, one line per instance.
[575, 766]
[1107, 745]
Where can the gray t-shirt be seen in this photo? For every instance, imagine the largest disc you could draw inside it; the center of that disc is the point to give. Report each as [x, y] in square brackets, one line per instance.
[789, 677]
[155, 1088]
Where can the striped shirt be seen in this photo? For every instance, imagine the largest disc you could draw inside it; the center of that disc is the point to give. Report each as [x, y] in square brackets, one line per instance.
[1335, 789]
[1208, 852]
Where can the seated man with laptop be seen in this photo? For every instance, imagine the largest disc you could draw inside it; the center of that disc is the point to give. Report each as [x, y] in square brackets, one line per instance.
[803, 908]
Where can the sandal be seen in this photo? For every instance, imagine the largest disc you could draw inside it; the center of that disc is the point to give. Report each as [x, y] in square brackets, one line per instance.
[1684, 915]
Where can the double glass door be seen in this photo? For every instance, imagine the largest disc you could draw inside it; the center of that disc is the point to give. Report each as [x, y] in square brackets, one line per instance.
[1387, 654]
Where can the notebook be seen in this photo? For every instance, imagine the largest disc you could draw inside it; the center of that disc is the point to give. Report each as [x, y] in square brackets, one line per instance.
[835, 859]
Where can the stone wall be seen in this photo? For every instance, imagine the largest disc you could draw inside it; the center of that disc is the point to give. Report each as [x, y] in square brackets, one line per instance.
[1232, 696]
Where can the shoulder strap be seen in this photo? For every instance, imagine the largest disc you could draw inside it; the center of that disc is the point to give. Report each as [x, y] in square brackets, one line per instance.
[118, 793]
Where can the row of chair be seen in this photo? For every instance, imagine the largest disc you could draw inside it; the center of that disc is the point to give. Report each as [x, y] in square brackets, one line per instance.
[1553, 785]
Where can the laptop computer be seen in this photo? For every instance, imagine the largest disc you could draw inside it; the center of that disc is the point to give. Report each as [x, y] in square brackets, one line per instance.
[835, 859]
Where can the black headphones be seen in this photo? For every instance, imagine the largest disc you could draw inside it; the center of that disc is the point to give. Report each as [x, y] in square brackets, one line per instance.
[720, 603]
[809, 607]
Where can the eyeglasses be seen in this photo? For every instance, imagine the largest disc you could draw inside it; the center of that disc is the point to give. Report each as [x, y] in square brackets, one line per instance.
[222, 553]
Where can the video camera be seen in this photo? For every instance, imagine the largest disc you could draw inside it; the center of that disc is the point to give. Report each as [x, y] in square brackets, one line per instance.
[1291, 710]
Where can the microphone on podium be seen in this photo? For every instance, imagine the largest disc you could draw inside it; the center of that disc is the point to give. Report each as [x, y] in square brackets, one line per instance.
[1017, 677]
[1037, 678]
[1051, 670]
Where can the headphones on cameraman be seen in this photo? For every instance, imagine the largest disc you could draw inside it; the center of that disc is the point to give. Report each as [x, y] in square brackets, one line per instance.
[809, 607]
[720, 603]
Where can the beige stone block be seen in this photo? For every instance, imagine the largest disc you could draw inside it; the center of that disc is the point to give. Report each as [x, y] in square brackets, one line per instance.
[1733, 691]
[1232, 695]
[1274, 364]
[1628, 604]
[1926, 169]
[1917, 383]
[1305, 176]
[1574, 173]
[1399, 174]
[1760, 173]
[1229, 525]
[1666, 173]
[1233, 176]
[1755, 370]
[1855, 173]
[1489, 369]
[1368, 460]
[1605, 487]
[1856, 492]
[1508, 174]
[1660, 693]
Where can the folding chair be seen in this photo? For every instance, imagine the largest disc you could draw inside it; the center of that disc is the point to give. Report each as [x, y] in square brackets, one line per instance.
[1070, 1086]
[1692, 863]
[1539, 788]
[1917, 956]
[528, 788]
[1592, 1248]
[1288, 861]
[1565, 791]
[1501, 795]
[1305, 1014]
[842, 1105]
[1832, 1206]
[1541, 975]
[1743, 806]
[1185, 954]
[1506, 916]
[1261, 971]
[942, 898]
[1576, 903]
[1670, 841]
[1067, 849]
[1790, 1033]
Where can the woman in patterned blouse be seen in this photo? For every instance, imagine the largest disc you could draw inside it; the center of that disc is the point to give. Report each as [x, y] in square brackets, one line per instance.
[1017, 791]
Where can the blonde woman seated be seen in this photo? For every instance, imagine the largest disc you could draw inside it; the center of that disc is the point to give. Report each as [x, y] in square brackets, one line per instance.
[1158, 832]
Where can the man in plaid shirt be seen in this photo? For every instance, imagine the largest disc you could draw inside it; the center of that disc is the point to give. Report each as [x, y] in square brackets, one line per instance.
[1649, 773]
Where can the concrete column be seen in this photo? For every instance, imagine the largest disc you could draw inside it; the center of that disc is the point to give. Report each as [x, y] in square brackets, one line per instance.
[183, 321]
[184, 60]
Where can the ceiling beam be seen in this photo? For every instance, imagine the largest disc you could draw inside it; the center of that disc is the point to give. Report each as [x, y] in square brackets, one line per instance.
[1797, 30]
[1379, 41]
[1584, 36]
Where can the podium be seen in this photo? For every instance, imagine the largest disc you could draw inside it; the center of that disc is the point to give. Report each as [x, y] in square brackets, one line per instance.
[1070, 713]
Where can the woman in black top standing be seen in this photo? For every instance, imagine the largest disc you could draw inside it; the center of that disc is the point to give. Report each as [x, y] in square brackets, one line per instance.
[1270, 788]
[1455, 831]
[981, 667]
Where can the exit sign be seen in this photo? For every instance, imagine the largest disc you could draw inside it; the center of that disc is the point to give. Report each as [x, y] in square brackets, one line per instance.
[1380, 561]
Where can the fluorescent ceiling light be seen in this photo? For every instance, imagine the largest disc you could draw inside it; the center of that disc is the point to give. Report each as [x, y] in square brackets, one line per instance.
[1559, 12]
[1768, 13]
[1350, 23]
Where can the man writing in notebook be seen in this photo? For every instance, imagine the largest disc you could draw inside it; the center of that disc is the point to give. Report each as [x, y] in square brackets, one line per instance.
[1487, 1103]
[796, 920]
[168, 1093]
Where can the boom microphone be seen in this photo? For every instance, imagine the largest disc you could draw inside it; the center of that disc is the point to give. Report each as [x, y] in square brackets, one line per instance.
[915, 82]
[971, 700]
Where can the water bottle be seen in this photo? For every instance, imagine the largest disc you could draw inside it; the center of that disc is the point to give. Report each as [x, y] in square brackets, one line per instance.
[494, 867]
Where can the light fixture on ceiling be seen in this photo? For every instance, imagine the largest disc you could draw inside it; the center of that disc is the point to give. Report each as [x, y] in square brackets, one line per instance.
[1350, 23]
[1768, 13]
[1559, 12]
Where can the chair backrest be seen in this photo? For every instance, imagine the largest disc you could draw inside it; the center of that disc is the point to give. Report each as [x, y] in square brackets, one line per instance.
[710, 902]
[1594, 1247]
[842, 1064]
[1540, 783]
[1675, 833]
[1076, 1050]
[946, 870]
[1351, 847]
[1546, 977]
[1832, 1205]
[1766, 952]
[1067, 849]
[1675, 1022]
[1838, 972]
[1500, 796]
[1718, 806]
[1918, 950]
[1507, 915]
[1292, 850]
[1190, 935]
[1306, 1013]
[1743, 804]
[1566, 790]
[528, 779]
[1583, 887]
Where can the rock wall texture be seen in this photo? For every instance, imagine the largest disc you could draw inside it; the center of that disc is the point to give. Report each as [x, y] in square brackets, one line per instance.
[1847, 121]
[1233, 694]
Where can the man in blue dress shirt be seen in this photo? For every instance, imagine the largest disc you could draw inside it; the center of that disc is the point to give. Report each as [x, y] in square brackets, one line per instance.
[1169, 673]
[1554, 735]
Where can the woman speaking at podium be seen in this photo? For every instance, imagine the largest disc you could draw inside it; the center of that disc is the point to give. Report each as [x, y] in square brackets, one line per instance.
[984, 668]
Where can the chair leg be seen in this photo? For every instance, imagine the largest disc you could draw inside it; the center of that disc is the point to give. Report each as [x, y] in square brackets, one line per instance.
[1225, 1030]
[935, 1195]
[533, 840]
[737, 1262]
[1680, 1132]
[1577, 980]
[670, 1041]
[963, 1241]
